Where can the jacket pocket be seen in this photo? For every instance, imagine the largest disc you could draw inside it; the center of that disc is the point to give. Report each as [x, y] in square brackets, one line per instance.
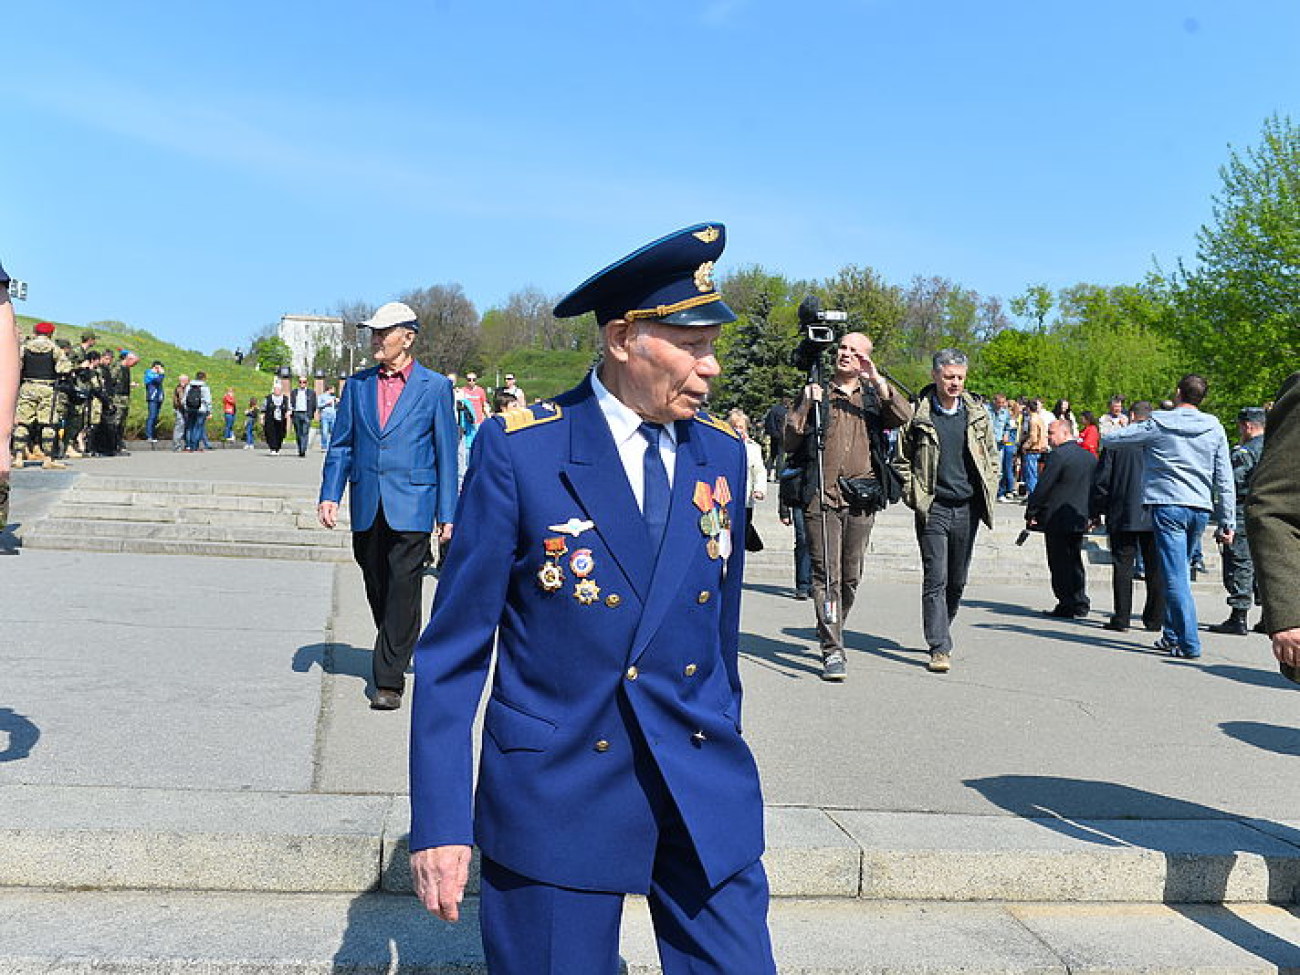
[514, 730]
[424, 475]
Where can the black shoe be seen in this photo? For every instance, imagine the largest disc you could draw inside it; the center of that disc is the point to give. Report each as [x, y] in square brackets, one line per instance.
[386, 701]
[1235, 624]
[801, 595]
[1115, 625]
[1260, 627]
[1061, 613]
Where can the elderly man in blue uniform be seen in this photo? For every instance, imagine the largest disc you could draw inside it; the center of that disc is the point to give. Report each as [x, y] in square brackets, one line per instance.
[394, 446]
[595, 545]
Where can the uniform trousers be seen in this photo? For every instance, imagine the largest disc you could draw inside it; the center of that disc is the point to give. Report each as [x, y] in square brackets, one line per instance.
[1124, 549]
[534, 928]
[1065, 562]
[1239, 570]
[392, 564]
[946, 536]
[837, 558]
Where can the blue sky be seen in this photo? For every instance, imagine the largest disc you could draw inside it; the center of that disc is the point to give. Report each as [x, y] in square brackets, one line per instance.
[199, 169]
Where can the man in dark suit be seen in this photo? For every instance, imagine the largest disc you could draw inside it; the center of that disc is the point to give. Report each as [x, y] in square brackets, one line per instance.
[599, 544]
[1059, 509]
[394, 447]
[303, 400]
[1273, 520]
[1117, 488]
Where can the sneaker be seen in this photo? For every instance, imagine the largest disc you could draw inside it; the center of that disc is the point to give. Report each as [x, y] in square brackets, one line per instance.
[940, 663]
[1168, 646]
[833, 668]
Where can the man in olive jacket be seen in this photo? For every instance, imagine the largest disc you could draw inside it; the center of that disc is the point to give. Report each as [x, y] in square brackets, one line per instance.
[948, 460]
[1273, 527]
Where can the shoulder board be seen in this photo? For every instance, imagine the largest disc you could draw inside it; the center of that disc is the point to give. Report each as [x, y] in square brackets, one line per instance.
[523, 418]
[712, 421]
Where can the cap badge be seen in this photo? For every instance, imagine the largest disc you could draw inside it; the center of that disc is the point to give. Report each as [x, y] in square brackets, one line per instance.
[708, 235]
[704, 277]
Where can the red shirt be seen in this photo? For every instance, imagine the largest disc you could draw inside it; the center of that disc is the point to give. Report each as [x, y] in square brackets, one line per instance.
[228, 403]
[391, 385]
[1090, 439]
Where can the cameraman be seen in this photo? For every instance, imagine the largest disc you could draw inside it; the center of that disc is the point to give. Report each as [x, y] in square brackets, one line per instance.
[854, 413]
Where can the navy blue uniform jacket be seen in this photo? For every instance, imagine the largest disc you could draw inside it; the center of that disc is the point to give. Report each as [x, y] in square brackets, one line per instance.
[587, 700]
[409, 465]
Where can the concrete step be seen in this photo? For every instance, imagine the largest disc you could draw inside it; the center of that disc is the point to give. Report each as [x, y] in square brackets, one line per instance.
[34, 538]
[86, 493]
[94, 529]
[175, 932]
[56, 837]
[192, 488]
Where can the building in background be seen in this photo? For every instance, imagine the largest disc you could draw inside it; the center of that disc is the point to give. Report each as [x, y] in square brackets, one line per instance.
[306, 335]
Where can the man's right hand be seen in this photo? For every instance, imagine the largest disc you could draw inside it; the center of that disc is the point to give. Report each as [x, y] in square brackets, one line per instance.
[440, 874]
[812, 393]
[328, 513]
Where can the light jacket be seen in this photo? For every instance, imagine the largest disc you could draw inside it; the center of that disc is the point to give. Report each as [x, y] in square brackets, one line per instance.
[917, 456]
[1187, 461]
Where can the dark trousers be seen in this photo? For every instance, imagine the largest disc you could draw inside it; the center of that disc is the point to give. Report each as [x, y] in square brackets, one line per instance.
[947, 538]
[1065, 562]
[802, 557]
[392, 564]
[1239, 571]
[302, 430]
[1124, 550]
[274, 432]
[839, 560]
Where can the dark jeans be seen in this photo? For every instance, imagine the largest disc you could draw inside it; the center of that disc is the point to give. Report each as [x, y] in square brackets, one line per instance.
[392, 564]
[840, 560]
[302, 430]
[1124, 549]
[1065, 562]
[947, 538]
[194, 424]
[151, 421]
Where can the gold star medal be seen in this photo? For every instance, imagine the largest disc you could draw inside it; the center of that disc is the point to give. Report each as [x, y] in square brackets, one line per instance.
[586, 592]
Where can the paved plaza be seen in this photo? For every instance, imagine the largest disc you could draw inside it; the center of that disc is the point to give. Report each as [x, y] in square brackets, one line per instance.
[171, 700]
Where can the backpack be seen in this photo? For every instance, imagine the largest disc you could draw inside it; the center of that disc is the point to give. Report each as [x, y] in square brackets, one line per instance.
[194, 397]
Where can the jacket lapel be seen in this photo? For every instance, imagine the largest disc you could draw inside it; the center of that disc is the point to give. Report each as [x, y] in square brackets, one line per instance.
[366, 390]
[416, 385]
[682, 537]
[594, 474]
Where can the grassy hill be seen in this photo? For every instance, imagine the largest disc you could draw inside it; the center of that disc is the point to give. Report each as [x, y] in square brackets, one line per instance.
[539, 373]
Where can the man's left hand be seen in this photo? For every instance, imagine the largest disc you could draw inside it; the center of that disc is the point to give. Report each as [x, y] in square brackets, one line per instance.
[1286, 646]
[444, 533]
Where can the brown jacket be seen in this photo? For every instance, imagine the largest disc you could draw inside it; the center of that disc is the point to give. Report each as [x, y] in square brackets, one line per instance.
[916, 458]
[1273, 512]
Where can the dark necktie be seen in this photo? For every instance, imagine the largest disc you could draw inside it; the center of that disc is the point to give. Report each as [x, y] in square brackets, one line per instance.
[655, 499]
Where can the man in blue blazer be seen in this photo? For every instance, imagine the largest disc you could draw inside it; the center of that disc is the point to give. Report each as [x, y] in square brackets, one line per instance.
[394, 447]
[599, 543]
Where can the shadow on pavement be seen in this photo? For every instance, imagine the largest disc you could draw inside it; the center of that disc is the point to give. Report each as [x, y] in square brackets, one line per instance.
[1055, 803]
[1269, 737]
[337, 659]
[21, 732]
[1005, 609]
[768, 589]
[1256, 676]
[799, 656]
[1085, 633]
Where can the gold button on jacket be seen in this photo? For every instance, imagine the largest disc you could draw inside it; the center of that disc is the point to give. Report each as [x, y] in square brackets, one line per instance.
[632, 673]
[704, 597]
[690, 670]
[602, 745]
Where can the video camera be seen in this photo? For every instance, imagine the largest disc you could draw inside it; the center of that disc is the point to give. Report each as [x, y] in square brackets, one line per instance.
[817, 335]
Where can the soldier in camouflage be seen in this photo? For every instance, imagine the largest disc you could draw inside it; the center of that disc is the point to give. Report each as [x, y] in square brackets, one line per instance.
[1238, 569]
[117, 383]
[9, 369]
[36, 420]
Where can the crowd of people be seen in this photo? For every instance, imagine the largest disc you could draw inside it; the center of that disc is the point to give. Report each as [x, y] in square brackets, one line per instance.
[1151, 476]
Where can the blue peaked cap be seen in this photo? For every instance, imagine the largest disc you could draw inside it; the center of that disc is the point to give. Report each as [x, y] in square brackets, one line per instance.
[669, 280]
[4, 278]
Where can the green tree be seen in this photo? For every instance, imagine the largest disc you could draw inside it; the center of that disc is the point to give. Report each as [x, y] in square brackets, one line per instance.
[755, 349]
[1035, 305]
[271, 352]
[1237, 311]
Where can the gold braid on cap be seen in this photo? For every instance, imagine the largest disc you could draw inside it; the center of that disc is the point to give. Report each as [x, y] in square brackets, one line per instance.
[663, 311]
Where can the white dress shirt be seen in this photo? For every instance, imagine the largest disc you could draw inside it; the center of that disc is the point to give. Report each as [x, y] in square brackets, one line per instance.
[624, 425]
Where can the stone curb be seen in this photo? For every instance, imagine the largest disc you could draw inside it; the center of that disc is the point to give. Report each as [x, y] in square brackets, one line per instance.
[143, 933]
[109, 838]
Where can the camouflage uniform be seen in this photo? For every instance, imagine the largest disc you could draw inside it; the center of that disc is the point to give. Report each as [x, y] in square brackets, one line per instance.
[36, 420]
[117, 383]
[1238, 569]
